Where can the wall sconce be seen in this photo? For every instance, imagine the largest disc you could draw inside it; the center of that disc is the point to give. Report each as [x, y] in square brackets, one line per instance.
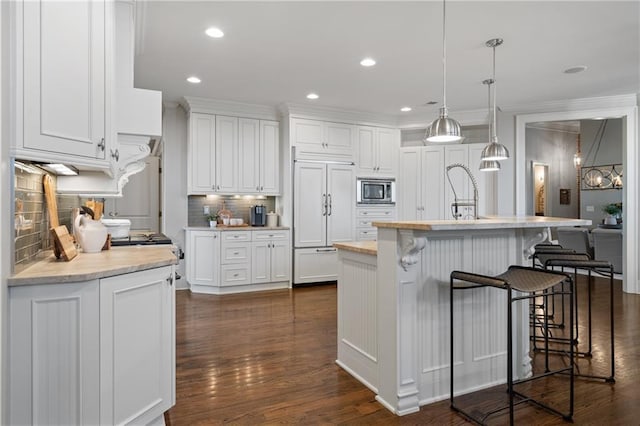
[577, 160]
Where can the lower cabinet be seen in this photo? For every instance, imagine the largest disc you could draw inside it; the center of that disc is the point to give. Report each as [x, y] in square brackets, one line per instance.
[95, 352]
[313, 265]
[230, 261]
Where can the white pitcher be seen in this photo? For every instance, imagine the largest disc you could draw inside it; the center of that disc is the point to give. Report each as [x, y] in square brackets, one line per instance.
[91, 234]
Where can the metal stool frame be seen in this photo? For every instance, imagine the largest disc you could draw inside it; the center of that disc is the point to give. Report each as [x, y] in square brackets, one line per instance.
[502, 282]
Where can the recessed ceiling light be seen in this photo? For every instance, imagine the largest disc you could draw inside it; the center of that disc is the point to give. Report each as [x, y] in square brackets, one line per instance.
[214, 32]
[312, 96]
[574, 70]
[368, 62]
[193, 79]
[405, 109]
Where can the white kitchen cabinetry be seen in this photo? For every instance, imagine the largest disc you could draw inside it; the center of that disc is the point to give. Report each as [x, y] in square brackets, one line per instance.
[259, 157]
[377, 151]
[202, 257]
[231, 155]
[235, 258]
[424, 191]
[244, 260]
[270, 256]
[365, 216]
[94, 352]
[65, 76]
[322, 140]
[137, 342]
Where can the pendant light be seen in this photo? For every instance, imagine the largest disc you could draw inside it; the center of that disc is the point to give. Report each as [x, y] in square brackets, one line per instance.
[444, 129]
[494, 151]
[489, 165]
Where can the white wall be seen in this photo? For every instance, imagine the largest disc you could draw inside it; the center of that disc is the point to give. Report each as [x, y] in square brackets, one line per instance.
[5, 200]
[174, 180]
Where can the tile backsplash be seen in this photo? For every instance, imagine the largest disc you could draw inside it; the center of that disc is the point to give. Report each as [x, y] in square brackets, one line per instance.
[239, 205]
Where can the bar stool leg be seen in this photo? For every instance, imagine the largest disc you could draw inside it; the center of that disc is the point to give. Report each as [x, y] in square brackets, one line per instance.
[510, 354]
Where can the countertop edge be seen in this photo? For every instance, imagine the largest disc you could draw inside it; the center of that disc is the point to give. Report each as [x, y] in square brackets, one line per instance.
[488, 223]
[237, 228]
[363, 247]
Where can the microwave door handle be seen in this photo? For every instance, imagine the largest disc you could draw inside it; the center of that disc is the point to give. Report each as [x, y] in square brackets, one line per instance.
[393, 192]
[358, 192]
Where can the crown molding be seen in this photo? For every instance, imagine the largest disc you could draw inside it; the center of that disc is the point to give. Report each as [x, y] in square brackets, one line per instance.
[221, 107]
[337, 115]
[582, 104]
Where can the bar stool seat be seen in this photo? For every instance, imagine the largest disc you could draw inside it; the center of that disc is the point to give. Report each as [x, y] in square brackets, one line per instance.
[528, 283]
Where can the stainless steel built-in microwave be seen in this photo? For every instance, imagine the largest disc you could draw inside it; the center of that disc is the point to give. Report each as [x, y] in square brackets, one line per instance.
[376, 191]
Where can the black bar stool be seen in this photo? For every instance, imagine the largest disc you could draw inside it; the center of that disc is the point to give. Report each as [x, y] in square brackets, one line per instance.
[604, 268]
[528, 284]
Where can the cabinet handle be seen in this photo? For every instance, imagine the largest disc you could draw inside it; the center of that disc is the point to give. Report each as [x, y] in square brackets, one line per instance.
[364, 213]
[262, 188]
[218, 187]
[235, 275]
[324, 204]
[215, 235]
[257, 188]
[236, 253]
[330, 206]
[170, 280]
[325, 250]
[101, 145]
[115, 154]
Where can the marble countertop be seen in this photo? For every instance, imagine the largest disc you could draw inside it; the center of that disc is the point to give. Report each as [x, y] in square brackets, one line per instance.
[85, 267]
[364, 247]
[237, 228]
[491, 222]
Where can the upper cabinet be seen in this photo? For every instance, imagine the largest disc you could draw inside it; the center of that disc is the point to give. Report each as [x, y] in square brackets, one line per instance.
[233, 155]
[322, 140]
[74, 100]
[64, 75]
[377, 151]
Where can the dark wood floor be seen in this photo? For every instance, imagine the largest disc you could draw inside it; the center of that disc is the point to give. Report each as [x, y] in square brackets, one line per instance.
[268, 358]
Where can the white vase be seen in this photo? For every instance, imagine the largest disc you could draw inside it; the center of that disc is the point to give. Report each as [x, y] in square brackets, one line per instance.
[212, 224]
[610, 220]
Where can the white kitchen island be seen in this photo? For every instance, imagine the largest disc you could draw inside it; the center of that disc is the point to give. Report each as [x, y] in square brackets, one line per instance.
[393, 306]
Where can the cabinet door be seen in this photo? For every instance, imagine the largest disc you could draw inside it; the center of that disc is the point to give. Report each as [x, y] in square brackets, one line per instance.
[366, 151]
[341, 203]
[140, 201]
[432, 183]
[409, 187]
[248, 156]
[280, 258]
[202, 153]
[310, 196]
[456, 154]
[226, 154]
[137, 325]
[339, 140]
[203, 258]
[269, 157]
[54, 354]
[308, 136]
[261, 262]
[64, 78]
[388, 144]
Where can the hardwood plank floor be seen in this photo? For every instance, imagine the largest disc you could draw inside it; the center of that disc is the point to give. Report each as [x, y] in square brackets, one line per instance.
[269, 358]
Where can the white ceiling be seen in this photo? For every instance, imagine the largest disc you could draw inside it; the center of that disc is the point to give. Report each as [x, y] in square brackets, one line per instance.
[276, 52]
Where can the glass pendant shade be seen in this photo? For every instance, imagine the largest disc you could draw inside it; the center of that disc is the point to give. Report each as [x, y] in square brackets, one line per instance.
[495, 152]
[443, 129]
[489, 166]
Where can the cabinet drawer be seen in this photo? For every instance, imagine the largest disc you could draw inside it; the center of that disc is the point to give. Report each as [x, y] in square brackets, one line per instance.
[377, 213]
[235, 253]
[235, 274]
[236, 236]
[364, 223]
[366, 234]
[270, 235]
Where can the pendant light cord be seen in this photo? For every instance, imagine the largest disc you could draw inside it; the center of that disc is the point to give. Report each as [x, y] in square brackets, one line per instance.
[495, 120]
[444, 54]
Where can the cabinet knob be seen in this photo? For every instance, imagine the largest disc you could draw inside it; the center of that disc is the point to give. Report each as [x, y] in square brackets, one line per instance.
[235, 275]
[261, 188]
[101, 145]
[115, 154]
[236, 253]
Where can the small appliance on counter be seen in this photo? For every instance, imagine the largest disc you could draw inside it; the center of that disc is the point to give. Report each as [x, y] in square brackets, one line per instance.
[142, 239]
[272, 219]
[258, 215]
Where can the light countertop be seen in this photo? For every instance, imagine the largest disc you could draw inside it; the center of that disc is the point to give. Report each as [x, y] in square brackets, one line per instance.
[237, 228]
[364, 247]
[84, 267]
[493, 222]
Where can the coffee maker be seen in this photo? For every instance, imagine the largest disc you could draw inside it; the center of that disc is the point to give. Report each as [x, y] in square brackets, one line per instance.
[258, 215]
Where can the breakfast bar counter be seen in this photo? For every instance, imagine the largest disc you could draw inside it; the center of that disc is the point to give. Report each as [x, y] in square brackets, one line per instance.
[393, 306]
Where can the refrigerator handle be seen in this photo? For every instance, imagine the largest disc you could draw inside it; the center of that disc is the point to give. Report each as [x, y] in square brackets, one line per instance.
[324, 204]
[330, 207]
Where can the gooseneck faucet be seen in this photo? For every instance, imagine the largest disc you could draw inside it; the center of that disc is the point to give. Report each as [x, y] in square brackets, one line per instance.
[457, 203]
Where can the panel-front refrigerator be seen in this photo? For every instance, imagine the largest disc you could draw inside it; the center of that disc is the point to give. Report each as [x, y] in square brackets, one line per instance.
[324, 213]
